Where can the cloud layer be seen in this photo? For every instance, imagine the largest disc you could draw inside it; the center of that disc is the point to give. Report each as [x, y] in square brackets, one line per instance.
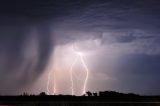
[30, 30]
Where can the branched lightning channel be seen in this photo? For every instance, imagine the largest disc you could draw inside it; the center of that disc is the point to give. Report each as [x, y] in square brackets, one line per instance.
[54, 82]
[71, 75]
[79, 55]
[87, 74]
[48, 83]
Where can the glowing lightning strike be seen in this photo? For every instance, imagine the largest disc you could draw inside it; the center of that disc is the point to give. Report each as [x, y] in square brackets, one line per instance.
[54, 86]
[71, 74]
[86, 69]
[86, 79]
[48, 83]
[79, 56]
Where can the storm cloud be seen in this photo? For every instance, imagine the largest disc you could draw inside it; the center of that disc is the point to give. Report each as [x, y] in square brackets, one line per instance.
[31, 29]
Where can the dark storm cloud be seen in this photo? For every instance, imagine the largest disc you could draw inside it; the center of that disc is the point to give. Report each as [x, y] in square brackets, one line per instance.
[122, 20]
[127, 36]
[24, 50]
[140, 72]
[27, 29]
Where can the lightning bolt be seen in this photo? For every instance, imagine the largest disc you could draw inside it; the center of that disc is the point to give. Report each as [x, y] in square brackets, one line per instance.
[54, 86]
[71, 75]
[87, 74]
[48, 83]
[79, 56]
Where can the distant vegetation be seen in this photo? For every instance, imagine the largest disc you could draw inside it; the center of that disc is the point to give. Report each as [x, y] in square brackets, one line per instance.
[88, 93]
[101, 98]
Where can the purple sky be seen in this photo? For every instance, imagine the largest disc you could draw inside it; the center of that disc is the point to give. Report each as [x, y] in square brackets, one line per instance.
[119, 38]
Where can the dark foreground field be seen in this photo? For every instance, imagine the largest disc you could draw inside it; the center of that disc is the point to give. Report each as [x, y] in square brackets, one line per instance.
[109, 99]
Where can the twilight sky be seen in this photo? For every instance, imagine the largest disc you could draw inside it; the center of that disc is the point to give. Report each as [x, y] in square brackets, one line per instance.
[119, 40]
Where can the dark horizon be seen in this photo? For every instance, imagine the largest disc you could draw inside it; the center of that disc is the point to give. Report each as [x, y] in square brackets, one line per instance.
[110, 98]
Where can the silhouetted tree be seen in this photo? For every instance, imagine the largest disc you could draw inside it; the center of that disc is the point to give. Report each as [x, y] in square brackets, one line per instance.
[42, 94]
[84, 95]
[89, 93]
[25, 94]
[95, 94]
[32, 95]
